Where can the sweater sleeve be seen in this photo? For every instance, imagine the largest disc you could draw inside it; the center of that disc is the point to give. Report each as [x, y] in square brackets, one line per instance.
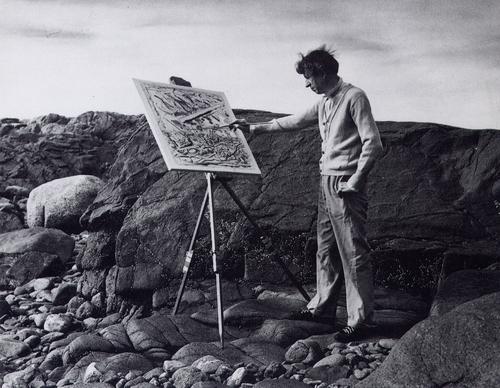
[290, 123]
[371, 147]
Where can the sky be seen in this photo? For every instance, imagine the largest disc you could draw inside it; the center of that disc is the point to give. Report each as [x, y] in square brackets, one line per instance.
[417, 60]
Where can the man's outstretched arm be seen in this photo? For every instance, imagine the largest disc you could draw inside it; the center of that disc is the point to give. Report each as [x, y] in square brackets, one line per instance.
[283, 124]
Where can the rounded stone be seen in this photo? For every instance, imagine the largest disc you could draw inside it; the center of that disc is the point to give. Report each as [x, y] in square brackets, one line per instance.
[187, 376]
[387, 343]
[332, 360]
[58, 322]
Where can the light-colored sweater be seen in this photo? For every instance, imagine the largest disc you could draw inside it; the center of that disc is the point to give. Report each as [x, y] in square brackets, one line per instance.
[350, 138]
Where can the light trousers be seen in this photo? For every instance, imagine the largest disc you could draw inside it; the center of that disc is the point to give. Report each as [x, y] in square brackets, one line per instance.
[342, 223]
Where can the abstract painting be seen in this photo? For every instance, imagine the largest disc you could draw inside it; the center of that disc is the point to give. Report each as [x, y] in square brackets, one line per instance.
[191, 127]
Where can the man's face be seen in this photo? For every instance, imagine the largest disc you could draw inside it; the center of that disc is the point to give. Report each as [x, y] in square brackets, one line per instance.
[317, 83]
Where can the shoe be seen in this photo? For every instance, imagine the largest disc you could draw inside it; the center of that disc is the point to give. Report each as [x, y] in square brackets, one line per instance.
[348, 334]
[302, 315]
[306, 315]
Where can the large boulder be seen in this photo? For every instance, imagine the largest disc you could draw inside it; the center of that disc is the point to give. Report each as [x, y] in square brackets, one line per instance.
[60, 203]
[463, 286]
[27, 254]
[11, 217]
[430, 196]
[459, 348]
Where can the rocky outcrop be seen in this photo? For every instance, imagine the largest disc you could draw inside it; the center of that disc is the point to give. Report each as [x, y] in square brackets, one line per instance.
[32, 253]
[430, 194]
[459, 348]
[60, 203]
[11, 217]
[86, 144]
[463, 286]
[433, 195]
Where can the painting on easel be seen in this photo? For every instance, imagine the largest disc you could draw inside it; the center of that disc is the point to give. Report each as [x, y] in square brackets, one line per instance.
[191, 127]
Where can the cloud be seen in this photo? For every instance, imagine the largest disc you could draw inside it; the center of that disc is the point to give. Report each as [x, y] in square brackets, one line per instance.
[48, 33]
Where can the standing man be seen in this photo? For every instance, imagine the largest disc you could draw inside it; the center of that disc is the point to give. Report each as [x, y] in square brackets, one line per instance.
[350, 145]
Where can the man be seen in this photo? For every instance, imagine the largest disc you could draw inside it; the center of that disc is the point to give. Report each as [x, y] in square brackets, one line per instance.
[350, 145]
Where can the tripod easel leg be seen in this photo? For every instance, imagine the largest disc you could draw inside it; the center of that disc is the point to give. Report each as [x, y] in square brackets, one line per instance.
[220, 316]
[189, 254]
[274, 257]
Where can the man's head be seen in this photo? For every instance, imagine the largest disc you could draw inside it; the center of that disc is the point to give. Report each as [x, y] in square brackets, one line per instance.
[319, 68]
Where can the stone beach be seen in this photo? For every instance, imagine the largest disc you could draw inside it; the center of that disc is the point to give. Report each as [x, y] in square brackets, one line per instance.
[93, 232]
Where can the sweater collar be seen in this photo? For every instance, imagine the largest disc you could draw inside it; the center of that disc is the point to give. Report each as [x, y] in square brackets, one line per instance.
[333, 91]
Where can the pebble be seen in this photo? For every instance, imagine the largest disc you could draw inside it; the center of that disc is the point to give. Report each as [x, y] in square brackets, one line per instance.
[332, 360]
[237, 377]
[92, 374]
[361, 373]
[33, 341]
[171, 366]
[207, 364]
[58, 322]
[387, 343]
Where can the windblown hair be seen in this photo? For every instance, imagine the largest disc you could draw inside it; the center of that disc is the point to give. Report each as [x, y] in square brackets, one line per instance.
[317, 62]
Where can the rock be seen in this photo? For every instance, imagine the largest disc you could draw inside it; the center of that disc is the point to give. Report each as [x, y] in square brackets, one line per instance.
[443, 191]
[307, 352]
[64, 293]
[253, 311]
[32, 341]
[90, 323]
[41, 240]
[463, 286]
[360, 374]
[208, 384]
[153, 373]
[31, 265]
[117, 335]
[193, 351]
[125, 362]
[40, 284]
[171, 366]
[76, 372]
[92, 374]
[85, 344]
[155, 336]
[86, 310]
[99, 251]
[144, 385]
[5, 308]
[60, 203]
[13, 348]
[187, 376]
[441, 350]
[332, 360]
[327, 374]
[74, 303]
[52, 360]
[281, 383]
[207, 364]
[20, 378]
[10, 218]
[387, 343]
[58, 322]
[263, 352]
[39, 319]
[194, 331]
[391, 299]
[285, 332]
[16, 192]
[273, 370]
[98, 302]
[237, 377]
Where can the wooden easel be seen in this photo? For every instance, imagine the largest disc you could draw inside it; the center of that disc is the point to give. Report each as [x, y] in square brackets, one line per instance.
[208, 200]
